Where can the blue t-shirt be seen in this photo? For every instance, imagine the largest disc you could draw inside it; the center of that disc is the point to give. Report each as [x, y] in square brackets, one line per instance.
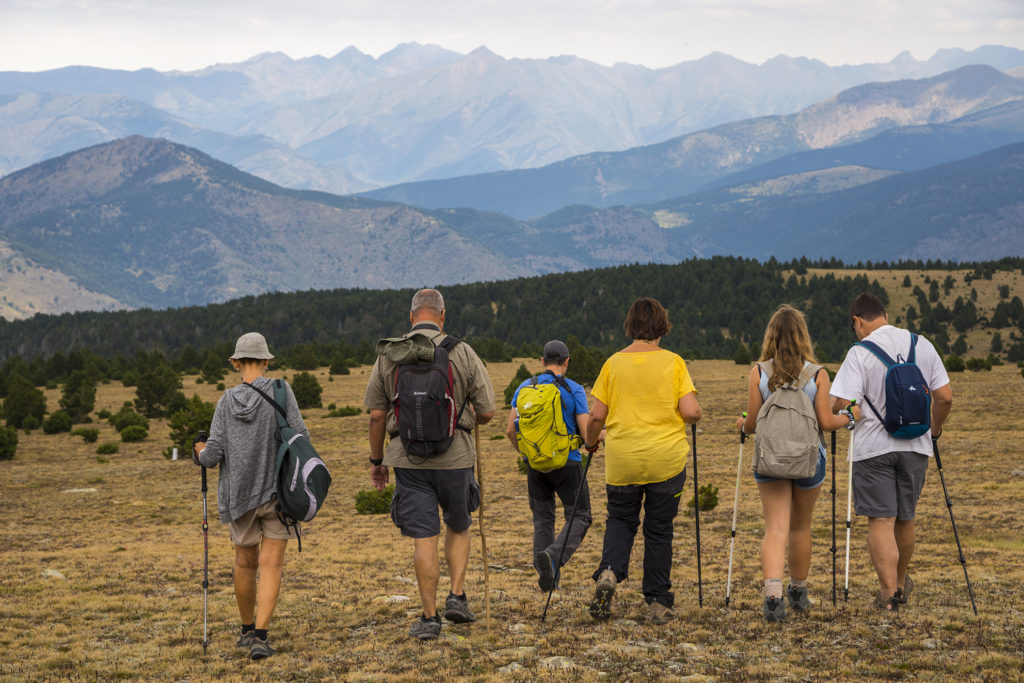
[573, 404]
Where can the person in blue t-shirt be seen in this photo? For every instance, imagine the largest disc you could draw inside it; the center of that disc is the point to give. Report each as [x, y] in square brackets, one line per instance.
[565, 481]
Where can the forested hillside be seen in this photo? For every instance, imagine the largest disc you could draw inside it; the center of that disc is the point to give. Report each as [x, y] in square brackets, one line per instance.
[718, 308]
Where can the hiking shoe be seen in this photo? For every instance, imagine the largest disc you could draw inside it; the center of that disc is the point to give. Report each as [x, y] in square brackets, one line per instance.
[601, 605]
[260, 649]
[660, 614]
[798, 600]
[903, 594]
[426, 629]
[887, 604]
[774, 609]
[546, 569]
[245, 640]
[456, 609]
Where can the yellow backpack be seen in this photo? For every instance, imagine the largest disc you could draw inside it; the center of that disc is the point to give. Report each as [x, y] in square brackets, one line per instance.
[541, 433]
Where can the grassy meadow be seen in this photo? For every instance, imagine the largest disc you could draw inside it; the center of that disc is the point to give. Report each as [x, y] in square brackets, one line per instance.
[125, 536]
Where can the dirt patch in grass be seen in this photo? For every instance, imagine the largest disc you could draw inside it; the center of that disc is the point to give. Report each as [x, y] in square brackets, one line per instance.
[127, 602]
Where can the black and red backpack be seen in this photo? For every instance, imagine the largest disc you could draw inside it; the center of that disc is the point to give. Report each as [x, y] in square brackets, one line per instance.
[424, 403]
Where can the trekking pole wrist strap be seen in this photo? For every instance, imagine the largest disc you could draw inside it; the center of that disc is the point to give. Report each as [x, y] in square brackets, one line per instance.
[591, 449]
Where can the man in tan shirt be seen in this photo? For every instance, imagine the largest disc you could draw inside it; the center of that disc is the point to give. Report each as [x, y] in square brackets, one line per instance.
[424, 483]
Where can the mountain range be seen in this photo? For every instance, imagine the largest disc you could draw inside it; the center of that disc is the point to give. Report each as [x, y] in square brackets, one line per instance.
[350, 122]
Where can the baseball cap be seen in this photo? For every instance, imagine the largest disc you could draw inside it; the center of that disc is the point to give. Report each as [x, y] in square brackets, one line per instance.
[555, 350]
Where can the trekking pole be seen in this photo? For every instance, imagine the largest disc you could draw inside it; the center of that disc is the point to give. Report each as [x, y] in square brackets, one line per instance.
[202, 437]
[849, 504]
[956, 535]
[696, 514]
[568, 530]
[834, 548]
[735, 504]
[483, 539]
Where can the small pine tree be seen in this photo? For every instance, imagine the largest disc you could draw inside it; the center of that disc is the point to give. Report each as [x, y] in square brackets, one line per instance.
[8, 442]
[307, 390]
[522, 374]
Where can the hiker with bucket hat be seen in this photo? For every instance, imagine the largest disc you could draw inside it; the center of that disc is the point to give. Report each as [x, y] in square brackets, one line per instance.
[242, 443]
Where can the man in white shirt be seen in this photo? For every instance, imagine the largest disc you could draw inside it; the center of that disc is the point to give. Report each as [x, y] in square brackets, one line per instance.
[888, 473]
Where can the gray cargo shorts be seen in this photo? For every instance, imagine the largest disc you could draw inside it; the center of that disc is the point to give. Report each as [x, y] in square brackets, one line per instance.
[889, 485]
[418, 493]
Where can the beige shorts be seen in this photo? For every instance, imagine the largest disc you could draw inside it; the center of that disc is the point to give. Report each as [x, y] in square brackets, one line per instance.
[250, 528]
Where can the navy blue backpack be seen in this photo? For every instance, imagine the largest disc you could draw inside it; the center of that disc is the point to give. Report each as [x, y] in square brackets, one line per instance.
[908, 400]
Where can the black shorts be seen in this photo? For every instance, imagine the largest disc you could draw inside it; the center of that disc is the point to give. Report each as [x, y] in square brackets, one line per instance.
[418, 493]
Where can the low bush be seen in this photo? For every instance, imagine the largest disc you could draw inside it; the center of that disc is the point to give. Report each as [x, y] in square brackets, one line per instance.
[134, 433]
[707, 496]
[374, 502]
[88, 434]
[106, 448]
[30, 423]
[954, 363]
[345, 411]
[58, 422]
[976, 364]
[8, 442]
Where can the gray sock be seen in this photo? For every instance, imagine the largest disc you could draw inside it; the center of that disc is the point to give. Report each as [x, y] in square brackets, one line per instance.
[773, 588]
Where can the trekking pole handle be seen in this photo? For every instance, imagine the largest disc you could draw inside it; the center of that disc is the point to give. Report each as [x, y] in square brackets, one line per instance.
[743, 434]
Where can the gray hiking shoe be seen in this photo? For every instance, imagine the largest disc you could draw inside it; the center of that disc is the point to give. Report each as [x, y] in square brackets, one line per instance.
[903, 594]
[601, 605]
[798, 600]
[426, 629]
[245, 640]
[260, 649]
[887, 604]
[660, 614]
[774, 609]
[456, 609]
[546, 569]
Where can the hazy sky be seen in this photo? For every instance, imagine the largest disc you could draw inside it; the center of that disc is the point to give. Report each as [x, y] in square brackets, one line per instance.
[189, 34]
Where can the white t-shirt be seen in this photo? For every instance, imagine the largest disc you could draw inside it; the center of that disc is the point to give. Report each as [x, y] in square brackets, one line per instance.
[863, 374]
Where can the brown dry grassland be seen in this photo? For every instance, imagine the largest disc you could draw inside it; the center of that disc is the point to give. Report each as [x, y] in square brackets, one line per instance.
[130, 603]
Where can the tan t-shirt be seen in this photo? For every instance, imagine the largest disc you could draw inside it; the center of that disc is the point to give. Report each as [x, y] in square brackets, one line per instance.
[470, 380]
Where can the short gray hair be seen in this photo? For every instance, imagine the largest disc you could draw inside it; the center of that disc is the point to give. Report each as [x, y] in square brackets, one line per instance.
[427, 298]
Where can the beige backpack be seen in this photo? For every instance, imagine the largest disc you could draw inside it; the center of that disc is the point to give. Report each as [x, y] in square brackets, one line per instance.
[787, 435]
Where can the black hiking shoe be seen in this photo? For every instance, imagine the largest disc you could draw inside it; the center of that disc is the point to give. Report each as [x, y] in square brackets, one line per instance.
[774, 609]
[601, 605]
[245, 640]
[260, 649]
[426, 629]
[798, 599]
[456, 609]
[903, 594]
[546, 569]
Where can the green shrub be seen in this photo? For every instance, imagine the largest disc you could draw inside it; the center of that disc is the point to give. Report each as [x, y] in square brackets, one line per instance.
[8, 442]
[307, 390]
[196, 416]
[89, 435]
[954, 363]
[345, 411]
[126, 417]
[742, 355]
[103, 414]
[374, 502]
[30, 423]
[977, 364]
[707, 496]
[522, 374]
[106, 448]
[134, 433]
[58, 422]
[497, 437]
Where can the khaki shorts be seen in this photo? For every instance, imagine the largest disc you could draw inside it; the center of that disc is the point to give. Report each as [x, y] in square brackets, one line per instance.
[249, 529]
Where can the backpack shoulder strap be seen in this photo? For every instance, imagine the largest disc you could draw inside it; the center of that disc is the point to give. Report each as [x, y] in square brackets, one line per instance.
[282, 415]
[449, 343]
[807, 374]
[912, 356]
[766, 367]
[879, 353]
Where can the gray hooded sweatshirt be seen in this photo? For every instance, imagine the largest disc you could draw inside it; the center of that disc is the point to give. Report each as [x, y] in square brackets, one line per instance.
[242, 443]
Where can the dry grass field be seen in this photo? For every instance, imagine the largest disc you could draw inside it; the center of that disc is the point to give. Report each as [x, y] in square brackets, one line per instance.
[126, 539]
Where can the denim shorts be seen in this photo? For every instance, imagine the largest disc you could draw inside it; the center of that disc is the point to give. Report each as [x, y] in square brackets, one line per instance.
[808, 483]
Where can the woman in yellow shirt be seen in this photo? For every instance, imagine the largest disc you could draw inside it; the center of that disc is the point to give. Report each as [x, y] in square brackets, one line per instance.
[644, 397]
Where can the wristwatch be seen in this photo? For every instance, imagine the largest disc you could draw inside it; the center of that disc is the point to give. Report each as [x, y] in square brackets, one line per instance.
[849, 414]
[376, 462]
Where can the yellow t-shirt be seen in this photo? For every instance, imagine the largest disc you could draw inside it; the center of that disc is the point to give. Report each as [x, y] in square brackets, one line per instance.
[646, 438]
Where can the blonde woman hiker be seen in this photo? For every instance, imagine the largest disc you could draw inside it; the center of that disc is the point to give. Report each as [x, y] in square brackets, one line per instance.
[242, 443]
[789, 503]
